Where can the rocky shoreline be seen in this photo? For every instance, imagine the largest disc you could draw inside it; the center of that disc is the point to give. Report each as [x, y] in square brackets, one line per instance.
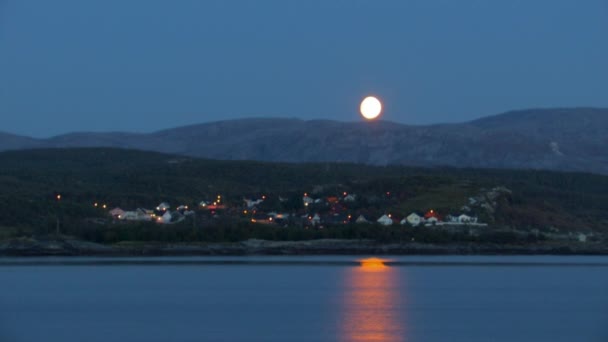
[65, 246]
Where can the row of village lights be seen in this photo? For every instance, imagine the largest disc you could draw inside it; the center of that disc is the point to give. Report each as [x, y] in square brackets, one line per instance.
[58, 197]
[219, 198]
[216, 202]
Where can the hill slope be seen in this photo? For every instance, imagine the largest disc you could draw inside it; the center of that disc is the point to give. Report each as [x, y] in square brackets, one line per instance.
[531, 211]
[554, 139]
[16, 142]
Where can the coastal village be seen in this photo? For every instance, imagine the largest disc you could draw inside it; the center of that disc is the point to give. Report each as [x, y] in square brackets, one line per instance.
[320, 211]
[314, 212]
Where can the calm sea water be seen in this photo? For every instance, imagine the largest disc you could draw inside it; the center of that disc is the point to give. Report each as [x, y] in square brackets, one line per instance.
[305, 299]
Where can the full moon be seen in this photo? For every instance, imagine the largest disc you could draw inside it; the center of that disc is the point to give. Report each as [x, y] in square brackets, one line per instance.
[370, 108]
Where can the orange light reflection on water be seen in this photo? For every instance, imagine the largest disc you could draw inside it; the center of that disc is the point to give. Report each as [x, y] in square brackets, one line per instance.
[371, 309]
[373, 264]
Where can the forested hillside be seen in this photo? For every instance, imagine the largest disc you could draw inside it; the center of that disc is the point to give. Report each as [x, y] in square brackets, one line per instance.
[31, 180]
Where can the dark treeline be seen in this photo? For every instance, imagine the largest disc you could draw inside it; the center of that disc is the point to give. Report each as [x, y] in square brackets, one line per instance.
[240, 231]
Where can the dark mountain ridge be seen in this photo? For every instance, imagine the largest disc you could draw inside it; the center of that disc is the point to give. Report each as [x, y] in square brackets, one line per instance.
[573, 139]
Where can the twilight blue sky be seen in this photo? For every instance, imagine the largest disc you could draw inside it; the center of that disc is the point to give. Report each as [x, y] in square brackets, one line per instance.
[127, 65]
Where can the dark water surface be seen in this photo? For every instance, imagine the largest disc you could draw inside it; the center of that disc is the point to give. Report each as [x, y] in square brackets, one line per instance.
[304, 299]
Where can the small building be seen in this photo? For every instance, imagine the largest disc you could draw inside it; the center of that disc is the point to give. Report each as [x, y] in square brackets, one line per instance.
[582, 237]
[164, 206]
[332, 199]
[413, 219]
[431, 221]
[166, 218]
[385, 220]
[252, 203]
[350, 198]
[130, 216]
[117, 213]
[283, 216]
[144, 211]
[431, 214]
[315, 220]
[262, 218]
[465, 219]
[137, 215]
[361, 219]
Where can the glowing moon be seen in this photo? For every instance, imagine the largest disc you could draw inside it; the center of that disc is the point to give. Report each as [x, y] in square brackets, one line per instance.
[370, 107]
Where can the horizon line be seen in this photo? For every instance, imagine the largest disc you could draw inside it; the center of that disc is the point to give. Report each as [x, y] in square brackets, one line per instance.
[246, 118]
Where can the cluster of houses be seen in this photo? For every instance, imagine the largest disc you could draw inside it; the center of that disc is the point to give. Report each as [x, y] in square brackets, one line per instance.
[431, 218]
[336, 213]
[161, 214]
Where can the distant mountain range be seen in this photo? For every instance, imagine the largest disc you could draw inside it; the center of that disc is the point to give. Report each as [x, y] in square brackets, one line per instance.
[574, 139]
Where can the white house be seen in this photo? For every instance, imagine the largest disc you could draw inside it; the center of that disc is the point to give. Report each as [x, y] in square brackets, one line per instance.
[316, 220]
[163, 206]
[307, 200]
[582, 237]
[465, 219]
[145, 211]
[129, 216]
[252, 203]
[137, 215]
[166, 218]
[361, 219]
[350, 198]
[385, 220]
[431, 221]
[117, 213]
[413, 219]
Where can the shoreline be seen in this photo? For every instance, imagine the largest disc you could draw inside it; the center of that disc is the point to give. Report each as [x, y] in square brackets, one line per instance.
[28, 247]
